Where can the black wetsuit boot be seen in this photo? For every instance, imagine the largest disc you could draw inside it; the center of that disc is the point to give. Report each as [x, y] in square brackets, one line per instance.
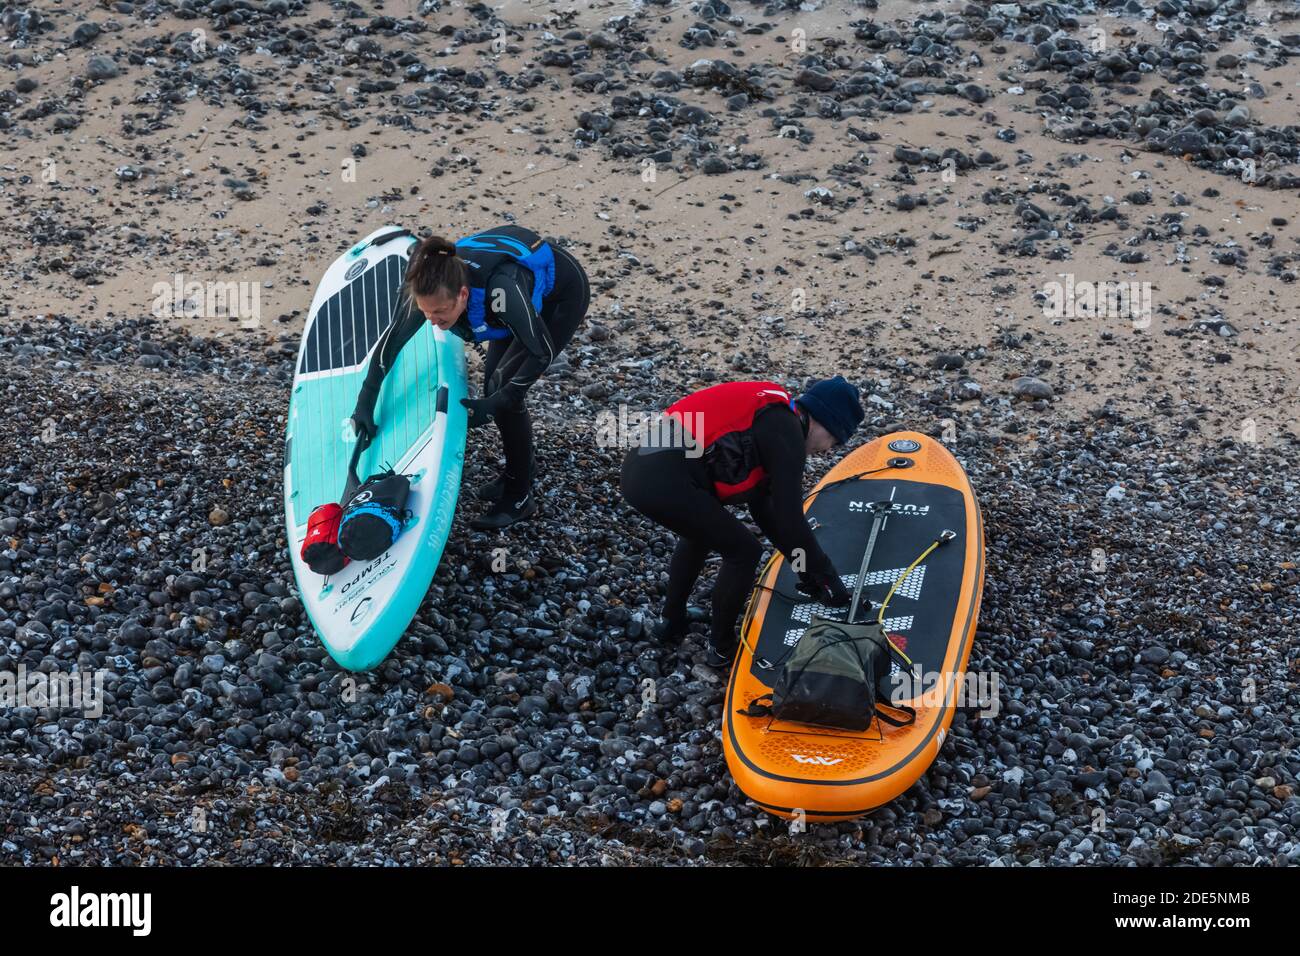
[666, 630]
[495, 489]
[516, 503]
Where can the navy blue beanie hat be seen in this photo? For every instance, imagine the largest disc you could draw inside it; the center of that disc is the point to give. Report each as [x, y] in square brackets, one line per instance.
[834, 403]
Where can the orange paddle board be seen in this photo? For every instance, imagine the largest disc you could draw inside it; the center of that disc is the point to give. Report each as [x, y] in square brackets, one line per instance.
[826, 774]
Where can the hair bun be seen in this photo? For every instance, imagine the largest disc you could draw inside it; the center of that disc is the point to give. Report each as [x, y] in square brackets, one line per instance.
[434, 267]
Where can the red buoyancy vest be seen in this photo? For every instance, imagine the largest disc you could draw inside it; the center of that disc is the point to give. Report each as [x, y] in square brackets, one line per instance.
[717, 418]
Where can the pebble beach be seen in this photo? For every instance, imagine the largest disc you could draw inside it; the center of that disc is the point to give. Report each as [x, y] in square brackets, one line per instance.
[921, 196]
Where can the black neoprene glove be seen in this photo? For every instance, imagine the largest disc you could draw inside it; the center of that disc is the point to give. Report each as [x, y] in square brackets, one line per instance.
[828, 590]
[481, 411]
[363, 416]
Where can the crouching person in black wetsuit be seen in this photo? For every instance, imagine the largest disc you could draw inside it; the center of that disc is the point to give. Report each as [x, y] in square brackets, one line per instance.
[521, 294]
[744, 443]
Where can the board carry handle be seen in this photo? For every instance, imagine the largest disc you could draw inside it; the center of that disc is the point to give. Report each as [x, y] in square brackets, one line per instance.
[378, 241]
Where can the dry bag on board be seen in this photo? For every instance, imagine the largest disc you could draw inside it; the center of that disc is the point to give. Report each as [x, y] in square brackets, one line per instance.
[838, 676]
[373, 516]
[320, 549]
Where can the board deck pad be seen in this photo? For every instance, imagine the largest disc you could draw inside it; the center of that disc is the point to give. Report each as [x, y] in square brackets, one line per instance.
[920, 613]
[823, 773]
[362, 611]
[349, 323]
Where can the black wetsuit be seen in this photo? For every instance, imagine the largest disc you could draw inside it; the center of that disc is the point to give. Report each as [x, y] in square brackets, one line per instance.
[677, 492]
[513, 363]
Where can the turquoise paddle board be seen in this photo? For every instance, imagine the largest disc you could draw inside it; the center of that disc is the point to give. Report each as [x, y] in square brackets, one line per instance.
[361, 612]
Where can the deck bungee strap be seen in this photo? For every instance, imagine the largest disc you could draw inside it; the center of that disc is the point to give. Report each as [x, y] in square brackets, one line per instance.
[944, 537]
[847, 478]
[758, 709]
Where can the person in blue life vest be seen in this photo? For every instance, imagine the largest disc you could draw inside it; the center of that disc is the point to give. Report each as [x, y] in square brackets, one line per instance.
[751, 441]
[521, 294]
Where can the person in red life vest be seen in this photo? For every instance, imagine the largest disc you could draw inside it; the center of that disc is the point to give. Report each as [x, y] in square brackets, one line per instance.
[521, 294]
[738, 443]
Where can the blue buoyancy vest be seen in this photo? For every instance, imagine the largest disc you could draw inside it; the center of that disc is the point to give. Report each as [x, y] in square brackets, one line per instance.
[483, 252]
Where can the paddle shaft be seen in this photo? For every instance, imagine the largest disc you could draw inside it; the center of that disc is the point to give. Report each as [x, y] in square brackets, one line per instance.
[878, 519]
[353, 481]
